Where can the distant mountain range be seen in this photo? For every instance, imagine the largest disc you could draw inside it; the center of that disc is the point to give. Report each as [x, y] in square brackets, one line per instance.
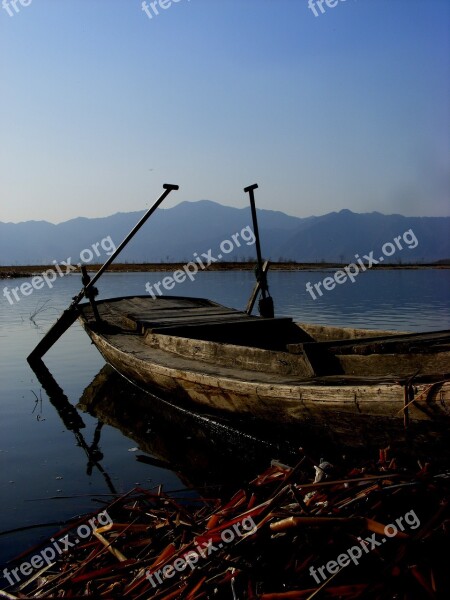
[175, 234]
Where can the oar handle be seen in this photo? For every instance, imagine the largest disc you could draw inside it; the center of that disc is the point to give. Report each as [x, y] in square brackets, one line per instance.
[168, 187]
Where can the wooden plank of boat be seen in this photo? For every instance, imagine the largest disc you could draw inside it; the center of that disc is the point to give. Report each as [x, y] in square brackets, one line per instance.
[132, 312]
[206, 312]
[424, 352]
[391, 344]
[196, 318]
[155, 307]
[412, 363]
[133, 303]
[230, 355]
[145, 309]
[130, 306]
[151, 318]
[245, 332]
[324, 362]
[152, 321]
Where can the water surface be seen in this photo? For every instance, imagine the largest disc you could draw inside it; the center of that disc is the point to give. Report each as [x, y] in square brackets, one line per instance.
[47, 474]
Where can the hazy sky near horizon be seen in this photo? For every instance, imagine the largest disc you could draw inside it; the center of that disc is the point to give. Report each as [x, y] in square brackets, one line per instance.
[100, 105]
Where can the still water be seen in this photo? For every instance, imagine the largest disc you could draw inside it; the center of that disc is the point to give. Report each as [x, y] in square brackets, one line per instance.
[54, 467]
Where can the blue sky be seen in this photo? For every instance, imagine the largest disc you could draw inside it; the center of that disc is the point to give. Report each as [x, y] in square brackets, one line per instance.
[101, 105]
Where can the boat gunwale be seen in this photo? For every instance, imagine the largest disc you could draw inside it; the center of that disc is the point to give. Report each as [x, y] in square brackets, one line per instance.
[323, 328]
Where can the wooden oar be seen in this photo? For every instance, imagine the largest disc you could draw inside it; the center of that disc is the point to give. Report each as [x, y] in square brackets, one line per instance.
[71, 313]
[266, 308]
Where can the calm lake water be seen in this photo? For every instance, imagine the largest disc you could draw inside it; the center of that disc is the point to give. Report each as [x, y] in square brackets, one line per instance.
[52, 471]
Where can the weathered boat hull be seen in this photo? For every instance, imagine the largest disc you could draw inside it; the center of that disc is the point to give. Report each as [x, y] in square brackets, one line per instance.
[351, 411]
[335, 413]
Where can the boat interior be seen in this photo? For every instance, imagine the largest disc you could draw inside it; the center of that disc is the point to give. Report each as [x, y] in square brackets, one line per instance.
[199, 329]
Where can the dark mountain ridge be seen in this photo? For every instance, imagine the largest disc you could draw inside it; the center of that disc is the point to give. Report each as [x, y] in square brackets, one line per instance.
[175, 234]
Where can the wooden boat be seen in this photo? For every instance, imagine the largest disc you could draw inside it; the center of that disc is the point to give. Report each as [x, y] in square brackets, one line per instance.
[357, 387]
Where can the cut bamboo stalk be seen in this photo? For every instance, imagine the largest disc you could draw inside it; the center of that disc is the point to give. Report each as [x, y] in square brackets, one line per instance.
[117, 553]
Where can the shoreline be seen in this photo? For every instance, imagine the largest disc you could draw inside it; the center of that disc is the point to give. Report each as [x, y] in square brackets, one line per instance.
[21, 271]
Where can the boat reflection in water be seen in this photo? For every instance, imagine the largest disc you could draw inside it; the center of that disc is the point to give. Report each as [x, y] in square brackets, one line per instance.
[203, 450]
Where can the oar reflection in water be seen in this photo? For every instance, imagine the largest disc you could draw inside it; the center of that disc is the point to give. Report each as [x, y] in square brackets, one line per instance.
[72, 420]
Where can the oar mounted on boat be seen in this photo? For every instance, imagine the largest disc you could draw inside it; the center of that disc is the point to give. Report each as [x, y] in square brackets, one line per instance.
[71, 313]
[265, 305]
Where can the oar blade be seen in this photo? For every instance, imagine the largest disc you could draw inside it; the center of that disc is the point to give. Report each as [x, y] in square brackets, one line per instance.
[54, 333]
